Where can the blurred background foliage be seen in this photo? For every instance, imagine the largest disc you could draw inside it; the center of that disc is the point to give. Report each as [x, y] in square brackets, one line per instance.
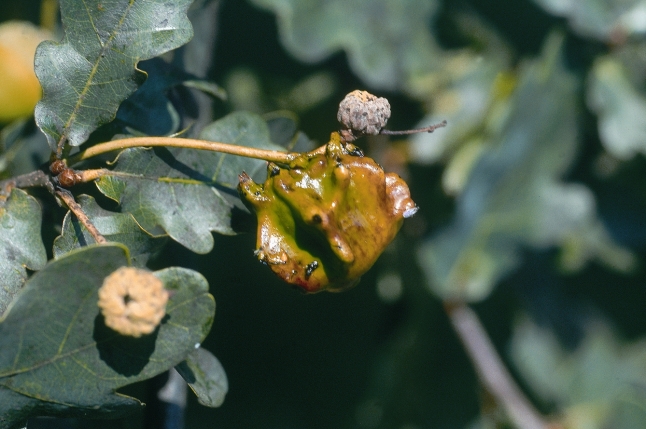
[532, 207]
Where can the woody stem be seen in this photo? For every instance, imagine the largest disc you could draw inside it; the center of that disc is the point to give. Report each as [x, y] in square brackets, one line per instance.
[75, 208]
[232, 149]
[491, 370]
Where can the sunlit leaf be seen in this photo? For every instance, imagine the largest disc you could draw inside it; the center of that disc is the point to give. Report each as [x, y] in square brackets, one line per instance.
[387, 42]
[58, 356]
[621, 108]
[514, 195]
[206, 377]
[179, 192]
[21, 245]
[478, 87]
[116, 227]
[601, 19]
[88, 74]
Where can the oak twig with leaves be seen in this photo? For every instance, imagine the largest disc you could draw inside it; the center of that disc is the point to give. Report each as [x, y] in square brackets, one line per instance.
[342, 206]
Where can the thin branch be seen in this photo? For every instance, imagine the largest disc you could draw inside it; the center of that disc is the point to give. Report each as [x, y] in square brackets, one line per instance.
[36, 178]
[428, 129]
[232, 149]
[91, 175]
[490, 368]
[75, 208]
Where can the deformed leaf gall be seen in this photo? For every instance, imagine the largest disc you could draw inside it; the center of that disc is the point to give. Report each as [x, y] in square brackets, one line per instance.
[324, 219]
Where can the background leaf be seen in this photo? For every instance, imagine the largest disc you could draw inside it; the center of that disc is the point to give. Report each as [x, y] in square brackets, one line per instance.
[180, 191]
[58, 353]
[116, 227]
[601, 19]
[514, 195]
[620, 106]
[21, 245]
[600, 384]
[382, 51]
[205, 375]
[87, 76]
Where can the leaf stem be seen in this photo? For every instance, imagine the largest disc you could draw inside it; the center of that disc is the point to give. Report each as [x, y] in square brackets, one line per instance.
[490, 368]
[232, 149]
[75, 208]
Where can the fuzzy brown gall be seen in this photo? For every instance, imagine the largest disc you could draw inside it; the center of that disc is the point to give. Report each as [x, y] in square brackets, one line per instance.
[324, 219]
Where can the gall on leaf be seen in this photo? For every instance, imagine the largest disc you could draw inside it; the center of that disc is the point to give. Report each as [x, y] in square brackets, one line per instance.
[324, 219]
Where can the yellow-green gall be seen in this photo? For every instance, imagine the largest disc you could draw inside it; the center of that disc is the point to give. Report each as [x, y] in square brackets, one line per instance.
[324, 219]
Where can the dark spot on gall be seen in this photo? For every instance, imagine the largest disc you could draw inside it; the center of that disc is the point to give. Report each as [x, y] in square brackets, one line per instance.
[309, 269]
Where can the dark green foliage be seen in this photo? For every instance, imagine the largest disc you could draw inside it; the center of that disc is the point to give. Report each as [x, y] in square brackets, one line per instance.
[93, 70]
[21, 245]
[58, 356]
[180, 192]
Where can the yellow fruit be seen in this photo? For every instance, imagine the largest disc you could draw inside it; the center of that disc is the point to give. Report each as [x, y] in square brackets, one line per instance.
[19, 87]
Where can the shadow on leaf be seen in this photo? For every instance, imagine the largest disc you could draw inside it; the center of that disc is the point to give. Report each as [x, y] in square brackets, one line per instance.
[126, 355]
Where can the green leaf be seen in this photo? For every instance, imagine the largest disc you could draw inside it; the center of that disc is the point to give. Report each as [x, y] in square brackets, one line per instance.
[58, 357]
[601, 384]
[605, 20]
[243, 129]
[206, 377]
[179, 192]
[93, 70]
[23, 148]
[21, 245]
[116, 227]
[621, 108]
[476, 88]
[148, 110]
[387, 42]
[514, 195]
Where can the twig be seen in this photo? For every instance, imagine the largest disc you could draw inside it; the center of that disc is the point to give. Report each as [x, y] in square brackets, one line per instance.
[232, 149]
[428, 129]
[91, 175]
[34, 179]
[75, 208]
[490, 368]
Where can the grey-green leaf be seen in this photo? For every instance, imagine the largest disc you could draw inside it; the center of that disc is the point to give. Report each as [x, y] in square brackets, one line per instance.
[244, 129]
[206, 377]
[387, 42]
[58, 357]
[601, 384]
[181, 192]
[605, 20]
[115, 227]
[21, 245]
[620, 106]
[515, 196]
[88, 74]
